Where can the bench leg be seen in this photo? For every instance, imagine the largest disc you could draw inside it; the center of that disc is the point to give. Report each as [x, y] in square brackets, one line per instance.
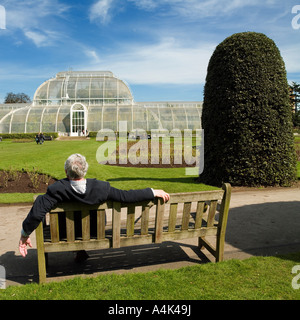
[42, 267]
[41, 253]
[200, 243]
[203, 243]
[224, 210]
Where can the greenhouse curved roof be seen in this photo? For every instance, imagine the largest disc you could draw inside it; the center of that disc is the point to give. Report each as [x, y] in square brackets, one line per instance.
[89, 87]
[73, 102]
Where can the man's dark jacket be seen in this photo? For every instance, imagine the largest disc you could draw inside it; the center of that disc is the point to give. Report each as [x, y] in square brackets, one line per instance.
[96, 193]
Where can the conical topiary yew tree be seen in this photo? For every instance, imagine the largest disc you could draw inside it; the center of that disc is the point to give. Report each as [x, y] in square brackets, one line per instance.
[247, 115]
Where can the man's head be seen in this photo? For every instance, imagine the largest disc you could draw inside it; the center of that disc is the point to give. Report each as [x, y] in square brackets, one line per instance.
[76, 166]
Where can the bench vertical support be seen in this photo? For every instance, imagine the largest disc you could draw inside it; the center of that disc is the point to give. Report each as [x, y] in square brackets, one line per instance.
[116, 221]
[145, 221]
[159, 220]
[85, 225]
[223, 222]
[70, 226]
[39, 234]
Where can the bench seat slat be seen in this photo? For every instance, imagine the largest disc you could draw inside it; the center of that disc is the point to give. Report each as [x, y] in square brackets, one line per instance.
[136, 240]
[92, 244]
[191, 233]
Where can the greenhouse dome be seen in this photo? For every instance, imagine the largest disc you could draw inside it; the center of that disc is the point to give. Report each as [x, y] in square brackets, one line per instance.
[76, 101]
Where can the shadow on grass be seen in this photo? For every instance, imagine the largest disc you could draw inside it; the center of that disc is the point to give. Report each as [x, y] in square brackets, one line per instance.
[178, 180]
[185, 180]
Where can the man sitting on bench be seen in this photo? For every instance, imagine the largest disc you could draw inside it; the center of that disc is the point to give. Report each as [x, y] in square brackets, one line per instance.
[76, 188]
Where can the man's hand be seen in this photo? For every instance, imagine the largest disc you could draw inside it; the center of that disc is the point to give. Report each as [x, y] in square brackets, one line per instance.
[161, 194]
[24, 241]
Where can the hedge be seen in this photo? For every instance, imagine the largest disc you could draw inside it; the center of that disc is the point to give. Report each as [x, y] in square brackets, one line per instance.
[247, 115]
[26, 135]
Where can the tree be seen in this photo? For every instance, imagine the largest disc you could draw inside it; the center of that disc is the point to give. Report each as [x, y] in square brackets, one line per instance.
[295, 101]
[17, 98]
[247, 116]
[296, 119]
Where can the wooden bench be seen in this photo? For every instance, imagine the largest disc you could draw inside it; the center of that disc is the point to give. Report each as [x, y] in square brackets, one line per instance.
[185, 215]
[48, 138]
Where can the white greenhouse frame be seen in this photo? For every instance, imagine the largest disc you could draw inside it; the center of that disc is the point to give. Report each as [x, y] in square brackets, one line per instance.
[105, 101]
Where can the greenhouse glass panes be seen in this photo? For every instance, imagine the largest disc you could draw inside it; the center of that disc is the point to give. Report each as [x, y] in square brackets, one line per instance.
[76, 101]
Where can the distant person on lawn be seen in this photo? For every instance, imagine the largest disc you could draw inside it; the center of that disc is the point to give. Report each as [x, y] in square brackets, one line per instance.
[76, 188]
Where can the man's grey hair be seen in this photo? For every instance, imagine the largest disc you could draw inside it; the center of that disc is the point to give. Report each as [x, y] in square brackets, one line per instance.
[76, 166]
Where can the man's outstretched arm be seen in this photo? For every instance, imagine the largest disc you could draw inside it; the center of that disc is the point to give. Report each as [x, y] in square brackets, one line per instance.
[136, 195]
[41, 206]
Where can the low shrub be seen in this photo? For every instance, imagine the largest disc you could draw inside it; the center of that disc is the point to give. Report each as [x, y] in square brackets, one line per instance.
[26, 135]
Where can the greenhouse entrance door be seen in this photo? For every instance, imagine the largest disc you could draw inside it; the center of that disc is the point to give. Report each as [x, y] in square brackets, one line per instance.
[78, 119]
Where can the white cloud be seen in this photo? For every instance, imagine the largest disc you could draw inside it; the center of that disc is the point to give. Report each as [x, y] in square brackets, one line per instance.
[92, 54]
[38, 38]
[43, 38]
[192, 9]
[30, 16]
[101, 10]
[166, 62]
[145, 4]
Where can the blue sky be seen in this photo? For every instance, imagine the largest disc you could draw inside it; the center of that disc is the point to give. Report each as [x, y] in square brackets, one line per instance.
[161, 48]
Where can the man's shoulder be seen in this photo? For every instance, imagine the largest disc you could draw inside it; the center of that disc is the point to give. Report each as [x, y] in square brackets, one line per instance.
[59, 184]
[97, 183]
[65, 184]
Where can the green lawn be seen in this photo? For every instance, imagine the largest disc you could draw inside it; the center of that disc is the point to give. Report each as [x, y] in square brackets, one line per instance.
[49, 158]
[257, 278]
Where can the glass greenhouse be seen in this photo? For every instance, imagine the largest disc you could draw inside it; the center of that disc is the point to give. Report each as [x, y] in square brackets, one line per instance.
[74, 102]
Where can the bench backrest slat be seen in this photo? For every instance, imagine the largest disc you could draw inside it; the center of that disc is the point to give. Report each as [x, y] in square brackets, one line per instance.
[76, 206]
[100, 224]
[70, 226]
[145, 220]
[159, 217]
[172, 217]
[85, 218]
[130, 220]
[186, 215]
[212, 213]
[54, 227]
[116, 225]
